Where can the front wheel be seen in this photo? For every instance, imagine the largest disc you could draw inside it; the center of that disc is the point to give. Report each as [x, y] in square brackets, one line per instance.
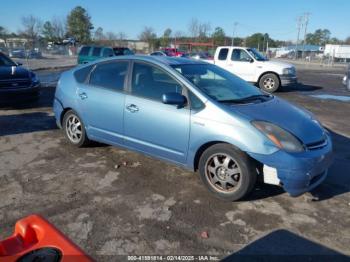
[74, 129]
[227, 172]
[269, 83]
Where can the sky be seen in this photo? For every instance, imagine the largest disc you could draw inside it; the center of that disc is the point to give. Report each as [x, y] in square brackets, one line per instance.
[277, 18]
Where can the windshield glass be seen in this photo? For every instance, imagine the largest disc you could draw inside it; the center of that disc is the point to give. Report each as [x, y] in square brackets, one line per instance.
[257, 55]
[218, 83]
[5, 61]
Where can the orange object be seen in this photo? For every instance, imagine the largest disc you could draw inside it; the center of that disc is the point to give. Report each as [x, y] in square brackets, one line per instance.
[34, 236]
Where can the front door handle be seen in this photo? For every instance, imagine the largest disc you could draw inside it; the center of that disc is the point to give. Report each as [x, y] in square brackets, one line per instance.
[132, 108]
[83, 96]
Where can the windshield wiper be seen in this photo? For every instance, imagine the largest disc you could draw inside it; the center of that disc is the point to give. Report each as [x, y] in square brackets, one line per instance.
[261, 97]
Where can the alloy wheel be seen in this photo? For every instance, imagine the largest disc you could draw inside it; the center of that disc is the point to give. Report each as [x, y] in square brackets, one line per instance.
[223, 172]
[74, 129]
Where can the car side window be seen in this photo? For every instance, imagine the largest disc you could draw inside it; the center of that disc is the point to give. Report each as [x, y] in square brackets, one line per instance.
[196, 103]
[96, 51]
[110, 75]
[107, 52]
[151, 82]
[81, 74]
[240, 55]
[84, 50]
[223, 54]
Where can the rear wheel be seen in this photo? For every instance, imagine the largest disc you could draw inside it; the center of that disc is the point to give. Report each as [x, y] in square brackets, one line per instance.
[269, 83]
[227, 172]
[74, 129]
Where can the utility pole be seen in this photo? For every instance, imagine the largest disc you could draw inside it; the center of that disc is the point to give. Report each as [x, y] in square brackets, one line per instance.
[299, 25]
[233, 33]
[306, 21]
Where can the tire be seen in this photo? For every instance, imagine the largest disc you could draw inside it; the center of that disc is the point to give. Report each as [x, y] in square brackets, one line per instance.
[269, 83]
[74, 129]
[233, 179]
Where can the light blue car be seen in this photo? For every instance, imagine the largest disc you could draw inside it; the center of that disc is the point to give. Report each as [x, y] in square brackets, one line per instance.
[196, 115]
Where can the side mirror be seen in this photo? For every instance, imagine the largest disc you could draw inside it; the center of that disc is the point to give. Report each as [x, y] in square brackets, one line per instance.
[251, 60]
[19, 64]
[174, 98]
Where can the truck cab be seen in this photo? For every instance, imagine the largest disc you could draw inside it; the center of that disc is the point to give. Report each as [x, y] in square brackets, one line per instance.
[250, 65]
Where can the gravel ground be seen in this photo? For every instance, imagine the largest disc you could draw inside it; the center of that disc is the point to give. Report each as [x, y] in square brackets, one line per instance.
[113, 202]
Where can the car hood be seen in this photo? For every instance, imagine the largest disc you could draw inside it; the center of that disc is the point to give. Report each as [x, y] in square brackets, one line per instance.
[17, 72]
[287, 116]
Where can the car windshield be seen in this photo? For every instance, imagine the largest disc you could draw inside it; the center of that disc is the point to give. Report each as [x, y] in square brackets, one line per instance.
[5, 61]
[219, 84]
[257, 55]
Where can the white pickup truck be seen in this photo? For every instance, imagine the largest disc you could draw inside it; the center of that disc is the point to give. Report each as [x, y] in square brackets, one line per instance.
[250, 65]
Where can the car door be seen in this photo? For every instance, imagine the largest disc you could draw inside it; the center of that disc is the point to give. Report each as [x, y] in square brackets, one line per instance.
[150, 126]
[101, 101]
[242, 64]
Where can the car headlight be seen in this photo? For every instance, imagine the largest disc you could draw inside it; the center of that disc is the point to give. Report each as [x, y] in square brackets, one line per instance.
[280, 137]
[289, 71]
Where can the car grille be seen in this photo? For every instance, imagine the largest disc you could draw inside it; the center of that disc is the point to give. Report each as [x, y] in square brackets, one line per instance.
[15, 83]
[317, 145]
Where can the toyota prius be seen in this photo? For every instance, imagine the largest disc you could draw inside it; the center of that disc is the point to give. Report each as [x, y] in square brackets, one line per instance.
[198, 116]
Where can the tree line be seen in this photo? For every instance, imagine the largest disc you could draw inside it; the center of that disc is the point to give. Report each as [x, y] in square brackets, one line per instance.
[78, 25]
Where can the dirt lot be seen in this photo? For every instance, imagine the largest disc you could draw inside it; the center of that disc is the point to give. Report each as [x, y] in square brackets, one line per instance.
[113, 202]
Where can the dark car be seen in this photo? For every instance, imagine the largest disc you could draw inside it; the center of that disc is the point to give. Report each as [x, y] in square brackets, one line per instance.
[122, 51]
[15, 79]
[17, 53]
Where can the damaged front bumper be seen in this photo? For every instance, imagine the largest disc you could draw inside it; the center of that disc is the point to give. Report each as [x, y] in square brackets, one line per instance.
[297, 173]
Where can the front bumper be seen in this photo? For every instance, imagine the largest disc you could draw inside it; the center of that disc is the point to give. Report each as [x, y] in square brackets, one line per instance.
[32, 89]
[299, 172]
[287, 80]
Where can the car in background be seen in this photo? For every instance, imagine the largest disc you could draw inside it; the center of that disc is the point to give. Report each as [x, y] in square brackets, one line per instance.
[252, 66]
[33, 54]
[15, 79]
[346, 78]
[17, 53]
[122, 51]
[91, 53]
[172, 51]
[201, 55]
[196, 115]
[158, 53]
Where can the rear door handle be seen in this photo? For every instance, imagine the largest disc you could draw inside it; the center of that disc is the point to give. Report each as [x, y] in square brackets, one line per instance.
[83, 95]
[132, 108]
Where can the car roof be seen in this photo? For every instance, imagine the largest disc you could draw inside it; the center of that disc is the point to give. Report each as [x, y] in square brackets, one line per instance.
[166, 60]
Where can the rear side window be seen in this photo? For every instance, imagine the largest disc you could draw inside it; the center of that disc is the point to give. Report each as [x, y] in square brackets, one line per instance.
[107, 52]
[223, 54]
[84, 50]
[81, 74]
[96, 51]
[110, 75]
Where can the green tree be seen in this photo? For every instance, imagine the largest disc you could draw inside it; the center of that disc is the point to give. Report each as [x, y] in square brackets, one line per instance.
[79, 25]
[148, 35]
[166, 37]
[319, 37]
[48, 31]
[219, 36]
[99, 35]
